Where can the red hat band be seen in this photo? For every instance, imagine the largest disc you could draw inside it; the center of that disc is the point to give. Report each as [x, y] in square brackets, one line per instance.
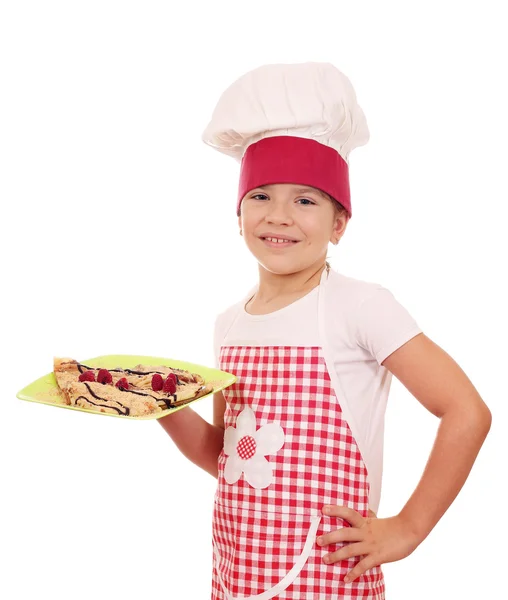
[291, 159]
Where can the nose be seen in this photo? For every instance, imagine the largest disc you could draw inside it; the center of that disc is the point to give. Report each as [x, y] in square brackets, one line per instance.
[278, 213]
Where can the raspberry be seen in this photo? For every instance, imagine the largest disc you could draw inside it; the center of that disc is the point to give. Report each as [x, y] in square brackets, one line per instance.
[87, 376]
[173, 377]
[122, 384]
[169, 385]
[104, 376]
[157, 382]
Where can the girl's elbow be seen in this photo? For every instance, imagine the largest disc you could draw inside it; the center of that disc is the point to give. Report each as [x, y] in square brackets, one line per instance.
[481, 420]
[475, 420]
[486, 419]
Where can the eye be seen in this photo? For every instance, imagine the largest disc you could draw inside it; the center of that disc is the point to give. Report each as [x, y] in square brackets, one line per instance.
[262, 196]
[306, 200]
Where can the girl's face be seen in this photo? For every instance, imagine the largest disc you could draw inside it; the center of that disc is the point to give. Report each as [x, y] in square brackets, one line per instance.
[293, 212]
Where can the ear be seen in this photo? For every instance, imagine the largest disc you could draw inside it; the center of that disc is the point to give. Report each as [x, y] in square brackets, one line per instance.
[339, 226]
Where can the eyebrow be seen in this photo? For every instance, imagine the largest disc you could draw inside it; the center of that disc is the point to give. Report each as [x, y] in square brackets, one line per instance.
[307, 190]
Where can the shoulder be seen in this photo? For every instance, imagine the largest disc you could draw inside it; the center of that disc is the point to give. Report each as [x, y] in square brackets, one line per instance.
[361, 297]
[371, 314]
[351, 292]
[227, 315]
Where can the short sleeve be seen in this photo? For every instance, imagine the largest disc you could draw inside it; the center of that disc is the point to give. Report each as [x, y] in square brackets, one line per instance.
[383, 324]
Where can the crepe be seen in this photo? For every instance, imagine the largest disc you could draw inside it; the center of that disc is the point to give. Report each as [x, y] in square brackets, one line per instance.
[143, 390]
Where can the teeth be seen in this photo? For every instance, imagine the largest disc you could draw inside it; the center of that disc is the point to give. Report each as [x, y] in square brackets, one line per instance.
[278, 241]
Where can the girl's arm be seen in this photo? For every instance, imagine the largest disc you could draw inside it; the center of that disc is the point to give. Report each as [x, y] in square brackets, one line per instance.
[199, 441]
[438, 382]
[441, 386]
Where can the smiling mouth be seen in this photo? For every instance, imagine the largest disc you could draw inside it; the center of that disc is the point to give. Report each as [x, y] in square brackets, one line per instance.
[276, 243]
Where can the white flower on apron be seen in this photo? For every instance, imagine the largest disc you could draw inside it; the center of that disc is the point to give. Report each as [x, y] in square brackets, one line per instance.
[246, 449]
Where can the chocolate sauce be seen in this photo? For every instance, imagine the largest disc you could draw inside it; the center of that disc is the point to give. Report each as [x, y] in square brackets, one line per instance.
[165, 400]
[126, 408]
[103, 405]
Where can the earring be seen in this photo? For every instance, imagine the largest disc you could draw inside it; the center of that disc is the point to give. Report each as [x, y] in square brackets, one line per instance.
[241, 232]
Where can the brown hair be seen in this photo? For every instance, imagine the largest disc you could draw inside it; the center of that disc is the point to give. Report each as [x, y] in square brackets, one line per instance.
[339, 209]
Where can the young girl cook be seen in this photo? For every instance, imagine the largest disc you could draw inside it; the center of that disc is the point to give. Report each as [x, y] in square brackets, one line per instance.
[297, 441]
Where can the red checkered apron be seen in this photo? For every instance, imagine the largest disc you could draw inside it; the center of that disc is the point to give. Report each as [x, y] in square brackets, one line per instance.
[288, 451]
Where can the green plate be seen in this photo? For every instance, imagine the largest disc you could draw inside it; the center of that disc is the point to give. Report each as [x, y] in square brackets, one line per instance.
[46, 391]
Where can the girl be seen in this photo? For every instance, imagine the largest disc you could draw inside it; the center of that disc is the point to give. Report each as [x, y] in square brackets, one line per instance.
[297, 441]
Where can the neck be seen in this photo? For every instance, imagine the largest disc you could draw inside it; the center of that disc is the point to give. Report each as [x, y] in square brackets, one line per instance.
[272, 285]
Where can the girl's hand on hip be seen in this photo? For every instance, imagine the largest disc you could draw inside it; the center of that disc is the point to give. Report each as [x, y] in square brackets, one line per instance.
[377, 541]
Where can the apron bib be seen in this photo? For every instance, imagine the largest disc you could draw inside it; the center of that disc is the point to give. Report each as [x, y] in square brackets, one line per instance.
[288, 451]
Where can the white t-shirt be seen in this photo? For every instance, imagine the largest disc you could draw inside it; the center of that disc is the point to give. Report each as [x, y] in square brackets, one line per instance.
[363, 323]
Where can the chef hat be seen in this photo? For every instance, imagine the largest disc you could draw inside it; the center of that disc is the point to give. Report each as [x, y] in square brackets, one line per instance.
[290, 123]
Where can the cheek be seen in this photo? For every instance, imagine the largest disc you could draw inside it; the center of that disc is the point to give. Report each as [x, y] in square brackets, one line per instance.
[249, 220]
[246, 224]
[313, 228]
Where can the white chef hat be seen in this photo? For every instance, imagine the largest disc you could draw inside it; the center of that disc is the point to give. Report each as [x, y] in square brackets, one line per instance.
[290, 123]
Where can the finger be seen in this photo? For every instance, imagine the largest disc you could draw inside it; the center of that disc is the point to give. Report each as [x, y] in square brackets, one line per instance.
[372, 514]
[346, 534]
[345, 512]
[348, 551]
[364, 565]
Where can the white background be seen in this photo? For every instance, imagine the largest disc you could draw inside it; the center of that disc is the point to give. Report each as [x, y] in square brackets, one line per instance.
[119, 235]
